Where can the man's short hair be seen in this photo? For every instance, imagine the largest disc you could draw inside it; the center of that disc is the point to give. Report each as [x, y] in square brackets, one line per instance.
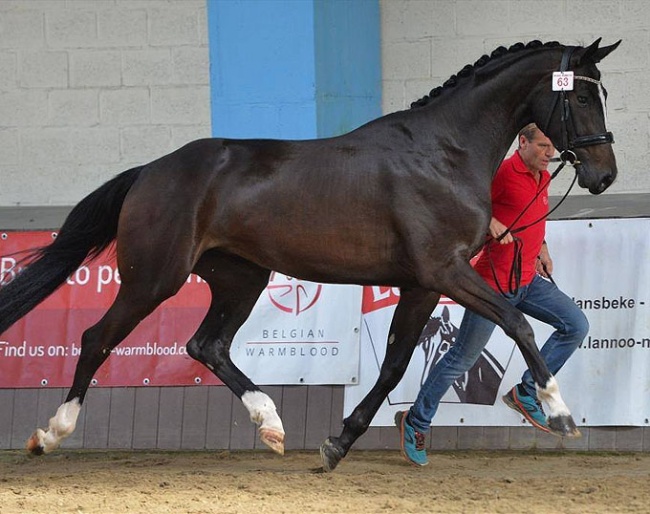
[529, 131]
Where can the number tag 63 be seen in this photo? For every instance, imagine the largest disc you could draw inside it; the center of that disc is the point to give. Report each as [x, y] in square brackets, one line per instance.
[562, 81]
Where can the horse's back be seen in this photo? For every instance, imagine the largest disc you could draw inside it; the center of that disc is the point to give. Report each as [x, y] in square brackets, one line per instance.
[335, 209]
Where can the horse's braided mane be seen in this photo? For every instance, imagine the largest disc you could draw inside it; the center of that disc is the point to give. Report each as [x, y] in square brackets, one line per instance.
[485, 59]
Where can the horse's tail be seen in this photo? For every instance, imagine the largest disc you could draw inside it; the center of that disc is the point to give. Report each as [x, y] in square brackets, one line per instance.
[88, 230]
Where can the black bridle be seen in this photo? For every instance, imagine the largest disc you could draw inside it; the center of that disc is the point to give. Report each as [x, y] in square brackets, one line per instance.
[568, 145]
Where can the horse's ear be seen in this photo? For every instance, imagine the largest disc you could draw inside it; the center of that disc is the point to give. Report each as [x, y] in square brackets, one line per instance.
[445, 314]
[595, 54]
[603, 52]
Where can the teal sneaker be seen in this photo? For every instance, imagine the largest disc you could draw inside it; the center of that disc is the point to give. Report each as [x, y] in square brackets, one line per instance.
[411, 441]
[529, 407]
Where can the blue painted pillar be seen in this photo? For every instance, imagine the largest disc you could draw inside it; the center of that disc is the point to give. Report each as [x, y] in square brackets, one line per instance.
[293, 69]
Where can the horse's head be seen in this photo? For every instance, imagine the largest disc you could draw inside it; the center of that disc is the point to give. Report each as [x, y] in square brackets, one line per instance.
[575, 118]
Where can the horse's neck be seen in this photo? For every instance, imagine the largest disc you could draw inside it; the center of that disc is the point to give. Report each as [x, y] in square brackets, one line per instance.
[498, 106]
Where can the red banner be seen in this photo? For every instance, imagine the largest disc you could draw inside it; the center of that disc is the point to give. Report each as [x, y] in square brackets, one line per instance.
[41, 349]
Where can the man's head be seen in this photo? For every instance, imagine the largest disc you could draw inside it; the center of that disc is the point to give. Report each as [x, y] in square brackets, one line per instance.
[535, 149]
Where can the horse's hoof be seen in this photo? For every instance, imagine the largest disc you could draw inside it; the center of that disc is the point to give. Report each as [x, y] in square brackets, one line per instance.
[34, 445]
[273, 439]
[330, 455]
[563, 426]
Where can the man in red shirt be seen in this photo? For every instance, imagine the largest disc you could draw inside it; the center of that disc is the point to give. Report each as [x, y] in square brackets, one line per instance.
[519, 196]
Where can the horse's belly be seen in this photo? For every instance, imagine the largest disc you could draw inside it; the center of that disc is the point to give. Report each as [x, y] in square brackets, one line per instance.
[332, 262]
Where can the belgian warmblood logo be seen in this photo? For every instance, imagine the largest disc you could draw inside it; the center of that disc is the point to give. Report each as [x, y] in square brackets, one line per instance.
[292, 295]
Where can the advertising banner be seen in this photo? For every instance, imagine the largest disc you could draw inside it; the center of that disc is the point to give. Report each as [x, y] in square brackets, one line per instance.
[301, 333]
[298, 333]
[603, 266]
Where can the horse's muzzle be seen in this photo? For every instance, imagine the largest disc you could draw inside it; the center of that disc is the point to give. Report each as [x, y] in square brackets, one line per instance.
[604, 183]
[594, 181]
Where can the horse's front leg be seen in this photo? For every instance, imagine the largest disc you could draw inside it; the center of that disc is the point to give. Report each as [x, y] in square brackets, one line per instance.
[234, 292]
[466, 287]
[410, 316]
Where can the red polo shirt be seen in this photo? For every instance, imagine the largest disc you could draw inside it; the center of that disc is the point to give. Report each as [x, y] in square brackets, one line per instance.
[513, 188]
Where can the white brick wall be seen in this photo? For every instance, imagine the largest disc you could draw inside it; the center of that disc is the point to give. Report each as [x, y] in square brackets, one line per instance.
[89, 88]
[426, 41]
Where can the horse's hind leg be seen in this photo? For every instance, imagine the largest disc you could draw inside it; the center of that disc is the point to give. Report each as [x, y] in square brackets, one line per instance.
[96, 345]
[411, 314]
[235, 284]
[465, 286]
[133, 303]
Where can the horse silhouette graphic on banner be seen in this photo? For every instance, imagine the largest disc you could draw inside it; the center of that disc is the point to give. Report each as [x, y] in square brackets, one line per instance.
[480, 384]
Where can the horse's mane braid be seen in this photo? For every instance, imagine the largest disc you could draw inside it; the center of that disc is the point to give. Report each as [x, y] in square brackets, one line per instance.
[485, 59]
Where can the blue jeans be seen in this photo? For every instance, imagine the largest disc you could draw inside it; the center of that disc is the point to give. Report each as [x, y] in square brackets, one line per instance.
[541, 300]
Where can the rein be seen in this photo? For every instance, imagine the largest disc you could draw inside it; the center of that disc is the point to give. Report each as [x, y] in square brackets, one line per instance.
[514, 279]
[510, 230]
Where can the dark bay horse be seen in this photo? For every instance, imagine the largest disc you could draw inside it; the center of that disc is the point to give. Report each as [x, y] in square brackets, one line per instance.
[402, 201]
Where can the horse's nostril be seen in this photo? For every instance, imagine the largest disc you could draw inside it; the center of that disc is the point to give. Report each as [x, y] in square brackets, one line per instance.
[607, 181]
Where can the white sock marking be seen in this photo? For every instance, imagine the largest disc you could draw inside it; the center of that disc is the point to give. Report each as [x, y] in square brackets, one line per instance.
[551, 395]
[61, 425]
[262, 410]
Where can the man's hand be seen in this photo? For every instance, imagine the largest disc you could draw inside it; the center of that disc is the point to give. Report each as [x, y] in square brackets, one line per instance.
[544, 265]
[497, 228]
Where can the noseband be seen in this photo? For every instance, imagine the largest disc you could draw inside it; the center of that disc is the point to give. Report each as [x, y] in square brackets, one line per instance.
[568, 145]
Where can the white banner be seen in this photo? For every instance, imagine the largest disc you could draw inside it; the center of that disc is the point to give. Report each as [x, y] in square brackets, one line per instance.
[301, 333]
[603, 265]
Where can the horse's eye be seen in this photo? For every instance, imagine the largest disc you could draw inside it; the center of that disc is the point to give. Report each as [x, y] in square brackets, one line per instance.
[582, 100]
